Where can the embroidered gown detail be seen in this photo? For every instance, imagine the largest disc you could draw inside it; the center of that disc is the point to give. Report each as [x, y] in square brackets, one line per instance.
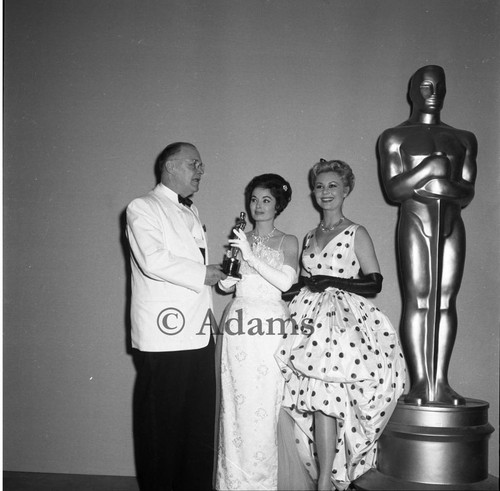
[345, 360]
[251, 382]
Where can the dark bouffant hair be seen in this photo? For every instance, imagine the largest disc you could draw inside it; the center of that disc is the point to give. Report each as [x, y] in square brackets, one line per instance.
[338, 166]
[280, 189]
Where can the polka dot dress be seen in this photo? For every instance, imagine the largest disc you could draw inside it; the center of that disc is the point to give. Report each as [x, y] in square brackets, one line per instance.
[345, 360]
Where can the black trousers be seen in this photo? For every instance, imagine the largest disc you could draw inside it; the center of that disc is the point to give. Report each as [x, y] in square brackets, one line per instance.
[174, 419]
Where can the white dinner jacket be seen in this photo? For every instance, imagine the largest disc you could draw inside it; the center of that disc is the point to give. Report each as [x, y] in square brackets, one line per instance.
[171, 306]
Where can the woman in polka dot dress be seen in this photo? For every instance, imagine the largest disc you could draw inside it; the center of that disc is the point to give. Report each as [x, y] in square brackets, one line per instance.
[344, 367]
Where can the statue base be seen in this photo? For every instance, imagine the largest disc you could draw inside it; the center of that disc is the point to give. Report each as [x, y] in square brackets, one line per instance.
[374, 480]
[434, 445]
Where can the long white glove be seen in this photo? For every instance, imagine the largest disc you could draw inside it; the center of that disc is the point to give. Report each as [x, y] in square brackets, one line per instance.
[282, 278]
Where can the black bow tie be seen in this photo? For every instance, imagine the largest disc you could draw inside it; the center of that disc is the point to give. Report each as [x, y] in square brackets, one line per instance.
[184, 201]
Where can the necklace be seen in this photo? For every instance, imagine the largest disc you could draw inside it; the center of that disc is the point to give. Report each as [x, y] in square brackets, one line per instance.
[324, 228]
[261, 239]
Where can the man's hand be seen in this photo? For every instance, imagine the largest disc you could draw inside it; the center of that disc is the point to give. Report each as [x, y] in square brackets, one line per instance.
[228, 283]
[214, 274]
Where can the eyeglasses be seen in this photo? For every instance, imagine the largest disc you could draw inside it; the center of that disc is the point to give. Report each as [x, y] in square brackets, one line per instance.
[194, 164]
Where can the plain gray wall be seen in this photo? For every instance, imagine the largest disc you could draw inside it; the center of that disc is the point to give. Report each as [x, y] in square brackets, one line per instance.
[95, 89]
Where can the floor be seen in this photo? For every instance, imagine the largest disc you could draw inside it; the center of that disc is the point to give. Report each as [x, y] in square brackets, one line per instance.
[35, 481]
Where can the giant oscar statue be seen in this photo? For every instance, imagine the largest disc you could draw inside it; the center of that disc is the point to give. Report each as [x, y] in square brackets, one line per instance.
[430, 168]
[435, 436]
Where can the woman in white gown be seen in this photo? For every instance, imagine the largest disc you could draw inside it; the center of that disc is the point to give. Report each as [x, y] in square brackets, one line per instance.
[253, 325]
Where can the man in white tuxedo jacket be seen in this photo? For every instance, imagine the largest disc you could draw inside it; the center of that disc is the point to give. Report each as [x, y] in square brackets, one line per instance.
[174, 399]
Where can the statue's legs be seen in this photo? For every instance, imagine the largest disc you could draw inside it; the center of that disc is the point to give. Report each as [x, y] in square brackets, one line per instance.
[452, 272]
[431, 261]
[415, 268]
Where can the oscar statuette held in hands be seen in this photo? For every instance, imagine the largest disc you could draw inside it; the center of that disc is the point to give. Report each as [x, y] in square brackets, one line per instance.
[230, 264]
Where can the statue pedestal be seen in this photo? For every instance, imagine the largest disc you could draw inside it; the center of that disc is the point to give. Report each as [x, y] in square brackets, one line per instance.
[373, 480]
[433, 445]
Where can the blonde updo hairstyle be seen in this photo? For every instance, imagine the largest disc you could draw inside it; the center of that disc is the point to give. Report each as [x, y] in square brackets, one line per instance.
[339, 167]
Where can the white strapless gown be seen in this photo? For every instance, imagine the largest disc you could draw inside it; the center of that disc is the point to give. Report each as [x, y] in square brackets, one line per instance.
[251, 381]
